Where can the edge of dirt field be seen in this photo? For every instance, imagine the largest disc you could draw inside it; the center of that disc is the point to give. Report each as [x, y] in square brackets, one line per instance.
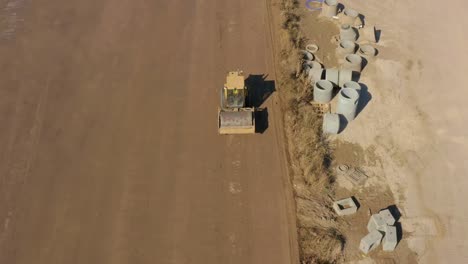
[280, 129]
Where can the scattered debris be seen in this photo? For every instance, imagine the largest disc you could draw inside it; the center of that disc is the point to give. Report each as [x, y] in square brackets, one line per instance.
[320, 109]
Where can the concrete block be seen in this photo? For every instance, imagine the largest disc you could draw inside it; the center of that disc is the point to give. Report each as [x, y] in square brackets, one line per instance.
[387, 217]
[345, 207]
[390, 240]
[370, 242]
[376, 222]
[331, 124]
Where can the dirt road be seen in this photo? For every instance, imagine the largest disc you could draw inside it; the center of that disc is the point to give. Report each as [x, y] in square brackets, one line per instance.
[109, 148]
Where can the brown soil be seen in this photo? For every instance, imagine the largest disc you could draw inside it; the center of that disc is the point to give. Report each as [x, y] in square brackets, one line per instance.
[110, 152]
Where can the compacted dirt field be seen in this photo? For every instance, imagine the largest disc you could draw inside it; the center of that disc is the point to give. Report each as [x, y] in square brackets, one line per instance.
[109, 150]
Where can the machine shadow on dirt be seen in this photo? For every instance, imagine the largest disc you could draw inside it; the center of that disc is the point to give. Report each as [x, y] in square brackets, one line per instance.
[259, 89]
[261, 117]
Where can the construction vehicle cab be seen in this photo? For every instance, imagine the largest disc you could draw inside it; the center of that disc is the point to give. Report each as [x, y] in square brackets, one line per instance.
[234, 115]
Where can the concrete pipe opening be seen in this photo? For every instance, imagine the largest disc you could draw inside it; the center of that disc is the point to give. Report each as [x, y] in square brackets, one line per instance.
[345, 27]
[351, 13]
[323, 91]
[324, 85]
[315, 73]
[312, 48]
[350, 16]
[330, 8]
[307, 55]
[347, 46]
[353, 59]
[353, 62]
[347, 32]
[368, 50]
[347, 103]
[353, 85]
[349, 95]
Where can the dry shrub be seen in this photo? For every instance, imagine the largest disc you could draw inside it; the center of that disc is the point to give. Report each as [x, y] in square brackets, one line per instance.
[320, 245]
[309, 152]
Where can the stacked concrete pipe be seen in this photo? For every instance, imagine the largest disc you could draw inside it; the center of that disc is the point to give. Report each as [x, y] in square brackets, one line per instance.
[353, 62]
[332, 75]
[347, 47]
[330, 8]
[348, 99]
[331, 123]
[349, 16]
[368, 51]
[347, 32]
[306, 55]
[353, 85]
[345, 75]
[323, 91]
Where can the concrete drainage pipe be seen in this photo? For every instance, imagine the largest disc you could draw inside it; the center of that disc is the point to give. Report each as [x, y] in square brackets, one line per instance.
[312, 48]
[332, 75]
[353, 85]
[345, 76]
[353, 62]
[367, 51]
[347, 32]
[331, 123]
[347, 47]
[307, 55]
[329, 8]
[348, 99]
[350, 16]
[315, 71]
[323, 91]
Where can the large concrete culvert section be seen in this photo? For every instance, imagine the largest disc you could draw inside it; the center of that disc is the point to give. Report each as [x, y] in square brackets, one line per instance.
[353, 85]
[347, 47]
[349, 16]
[345, 76]
[331, 123]
[367, 51]
[353, 62]
[347, 32]
[330, 8]
[348, 99]
[323, 91]
[332, 75]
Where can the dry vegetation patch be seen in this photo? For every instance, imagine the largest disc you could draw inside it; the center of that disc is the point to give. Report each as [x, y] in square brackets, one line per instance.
[320, 240]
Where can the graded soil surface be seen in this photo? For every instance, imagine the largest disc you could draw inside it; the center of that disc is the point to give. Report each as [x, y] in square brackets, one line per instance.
[109, 144]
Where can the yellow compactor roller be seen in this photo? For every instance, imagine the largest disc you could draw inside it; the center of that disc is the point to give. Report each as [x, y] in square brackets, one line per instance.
[234, 115]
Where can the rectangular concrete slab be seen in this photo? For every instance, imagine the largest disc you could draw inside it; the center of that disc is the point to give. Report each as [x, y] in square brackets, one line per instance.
[370, 242]
[390, 240]
[387, 217]
[376, 222]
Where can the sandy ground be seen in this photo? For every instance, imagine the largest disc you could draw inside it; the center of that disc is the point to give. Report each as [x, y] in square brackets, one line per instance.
[411, 133]
[109, 149]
